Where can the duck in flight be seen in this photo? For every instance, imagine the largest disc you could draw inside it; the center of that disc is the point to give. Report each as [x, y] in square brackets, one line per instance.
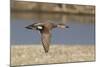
[45, 31]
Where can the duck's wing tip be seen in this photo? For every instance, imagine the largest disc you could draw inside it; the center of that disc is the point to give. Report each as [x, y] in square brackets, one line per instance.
[45, 38]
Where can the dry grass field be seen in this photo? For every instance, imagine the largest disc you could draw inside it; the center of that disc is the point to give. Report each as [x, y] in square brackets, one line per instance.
[34, 54]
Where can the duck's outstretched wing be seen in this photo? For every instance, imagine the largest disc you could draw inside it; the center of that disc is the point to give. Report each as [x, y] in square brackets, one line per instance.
[33, 26]
[61, 25]
[45, 38]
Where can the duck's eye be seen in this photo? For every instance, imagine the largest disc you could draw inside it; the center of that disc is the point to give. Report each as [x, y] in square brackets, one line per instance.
[39, 27]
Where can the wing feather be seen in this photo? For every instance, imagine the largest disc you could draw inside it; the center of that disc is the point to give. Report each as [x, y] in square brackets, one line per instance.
[45, 37]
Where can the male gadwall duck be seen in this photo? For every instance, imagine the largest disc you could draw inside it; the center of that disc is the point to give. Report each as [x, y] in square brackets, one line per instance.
[45, 31]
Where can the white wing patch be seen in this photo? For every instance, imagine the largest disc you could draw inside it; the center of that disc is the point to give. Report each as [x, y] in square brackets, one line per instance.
[39, 27]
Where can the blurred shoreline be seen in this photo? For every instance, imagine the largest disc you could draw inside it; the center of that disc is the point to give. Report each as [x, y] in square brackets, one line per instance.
[34, 54]
[39, 7]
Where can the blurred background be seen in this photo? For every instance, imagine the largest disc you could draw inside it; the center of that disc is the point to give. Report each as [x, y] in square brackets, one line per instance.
[79, 18]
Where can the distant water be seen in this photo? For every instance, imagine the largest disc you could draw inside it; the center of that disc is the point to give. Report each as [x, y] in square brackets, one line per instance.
[81, 29]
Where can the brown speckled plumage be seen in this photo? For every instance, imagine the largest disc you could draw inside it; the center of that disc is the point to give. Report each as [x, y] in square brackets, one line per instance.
[45, 30]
